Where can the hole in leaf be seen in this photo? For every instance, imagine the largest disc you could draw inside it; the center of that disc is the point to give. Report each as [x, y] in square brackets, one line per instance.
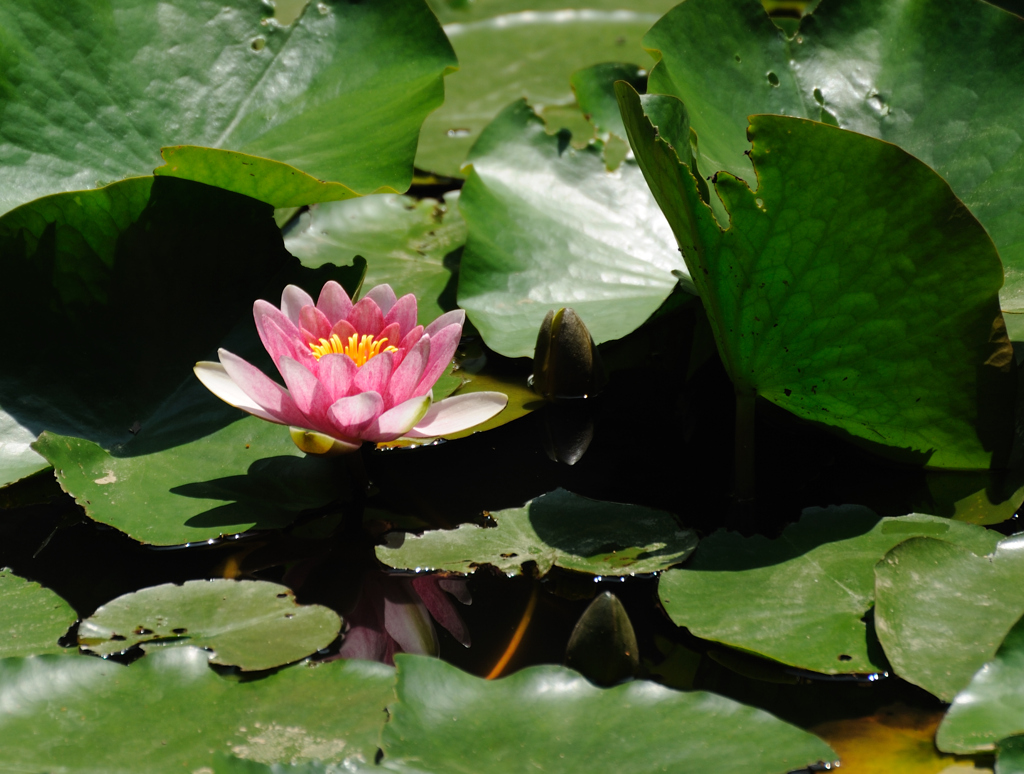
[142, 630]
[844, 657]
[773, 79]
[818, 96]
[258, 44]
[180, 630]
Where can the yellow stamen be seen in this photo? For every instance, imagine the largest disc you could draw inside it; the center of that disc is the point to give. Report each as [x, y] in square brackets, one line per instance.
[359, 348]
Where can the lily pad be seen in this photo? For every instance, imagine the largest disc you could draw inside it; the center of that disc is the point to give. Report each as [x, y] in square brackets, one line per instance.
[991, 707]
[942, 79]
[32, 618]
[838, 291]
[339, 94]
[447, 720]
[249, 624]
[169, 712]
[942, 610]
[549, 227]
[509, 49]
[407, 243]
[559, 528]
[1010, 756]
[801, 598]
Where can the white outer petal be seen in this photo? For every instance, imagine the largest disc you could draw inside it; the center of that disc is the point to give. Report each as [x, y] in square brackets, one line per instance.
[215, 378]
[459, 412]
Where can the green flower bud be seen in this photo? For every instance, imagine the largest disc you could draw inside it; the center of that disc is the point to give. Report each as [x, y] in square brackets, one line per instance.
[566, 364]
[603, 646]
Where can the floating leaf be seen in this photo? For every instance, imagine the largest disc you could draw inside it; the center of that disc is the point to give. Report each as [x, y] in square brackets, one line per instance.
[32, 618]
[339, 94]
[549, 227]
[941, 610]
[800, 599]
[942, 79]
[838, 290]
[169, 712]
[558, 528]
[249, 624]
[444, 718]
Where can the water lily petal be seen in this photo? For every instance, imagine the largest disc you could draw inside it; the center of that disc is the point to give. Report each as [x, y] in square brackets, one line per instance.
[397, 421]
[409, 339]
[442, 348]
[403, 313]
[366, 317]
[293, 298]
[314, 442]
[407, 375]
[270, 396]
[334, 302]
[307, 392]
[337, 374]
[352, 414]
[216, 380]
[457, 413]
[384, 297]
[457, 587]
[441, 607]
[406, 619]
[280, 345]
[374, 374]
[344, 330]
[455, 317]
[316, 322]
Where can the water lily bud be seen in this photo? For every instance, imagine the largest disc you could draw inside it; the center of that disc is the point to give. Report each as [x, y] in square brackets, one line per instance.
[568, 431]
[603, 645]
[566, 364]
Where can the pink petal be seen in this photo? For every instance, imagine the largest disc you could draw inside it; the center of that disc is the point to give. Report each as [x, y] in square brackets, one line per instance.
[455, 317]
[403, 313]
[316, 322]
[366, 317]
[268, 394]
[366, 637]
[264, 311]
[408, 374]
[442, 347]
[293, 298]
[280, 345]
[373, 375]
[309, 395]
[216, 380]
[392, 334]
[334, 302]
[344, 330]
[337, 373]
[384, 297]
[406, 619]
[441, 608]
[351, 415]
[457, 587]
[457, 413]
[409, 339]
[397, 421]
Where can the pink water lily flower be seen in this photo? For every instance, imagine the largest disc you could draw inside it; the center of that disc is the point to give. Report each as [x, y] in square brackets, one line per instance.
[354, 372]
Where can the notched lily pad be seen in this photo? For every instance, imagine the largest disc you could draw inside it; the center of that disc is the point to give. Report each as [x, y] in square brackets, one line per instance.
[557, 529]
[32, 618]
[249, 624]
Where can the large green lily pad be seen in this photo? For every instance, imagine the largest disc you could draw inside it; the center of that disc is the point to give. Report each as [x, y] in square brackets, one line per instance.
[408, 243]
[838, 290]
[942, 610]
[32, 618]
[169, 712]
[509, 49]
[90, 96]
[801, 598]
[549, 227]
[942, 79]
[447, 720]
[991, 707]
[249, 624]
[559, 528]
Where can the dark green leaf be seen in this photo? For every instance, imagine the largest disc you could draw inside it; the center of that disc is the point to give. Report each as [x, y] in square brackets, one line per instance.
[249, 624]
[448, 721]
[838, 292]
[170, 712]
[32, 618]
[549, 227]
[560, 529]
[941, 610]
[92, 96]
[1010, 756]
[595, 93]
[800, 599]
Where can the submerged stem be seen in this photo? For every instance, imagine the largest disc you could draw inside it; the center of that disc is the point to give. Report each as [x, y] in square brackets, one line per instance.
[517, 637]
[743, 483]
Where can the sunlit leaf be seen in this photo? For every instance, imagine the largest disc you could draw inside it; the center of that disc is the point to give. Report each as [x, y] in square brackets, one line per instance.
[560, 529]
[32, 618]
[447, 720]
[801, 598]
[249, 624]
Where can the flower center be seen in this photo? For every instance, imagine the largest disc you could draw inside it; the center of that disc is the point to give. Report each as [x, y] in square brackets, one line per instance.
[359, 348]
